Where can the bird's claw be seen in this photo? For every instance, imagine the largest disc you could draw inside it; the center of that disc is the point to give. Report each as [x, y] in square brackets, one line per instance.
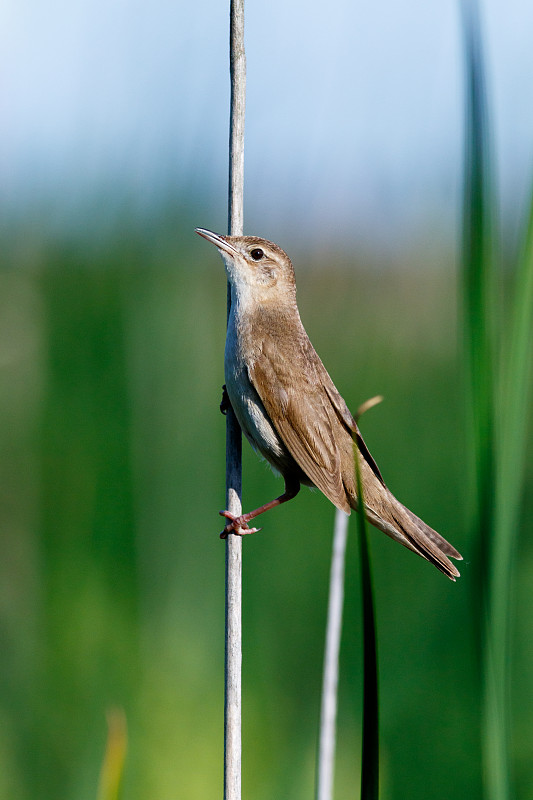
[237, 525]
[225, 404]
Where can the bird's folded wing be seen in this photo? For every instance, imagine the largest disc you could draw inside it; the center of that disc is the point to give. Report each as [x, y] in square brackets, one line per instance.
[305, 421]
[347, 419]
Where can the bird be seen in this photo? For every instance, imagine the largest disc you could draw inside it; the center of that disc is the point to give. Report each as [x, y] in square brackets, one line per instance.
[289, 408]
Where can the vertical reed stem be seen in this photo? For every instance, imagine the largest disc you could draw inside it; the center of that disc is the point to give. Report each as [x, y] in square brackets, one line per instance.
[479, 313]
[328, 711]
[370, 752]
[233, 648]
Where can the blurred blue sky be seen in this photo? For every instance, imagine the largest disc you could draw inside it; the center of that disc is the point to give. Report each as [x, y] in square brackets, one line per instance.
[354, 109]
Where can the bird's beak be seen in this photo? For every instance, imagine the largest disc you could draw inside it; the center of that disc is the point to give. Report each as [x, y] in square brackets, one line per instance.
[219, 241]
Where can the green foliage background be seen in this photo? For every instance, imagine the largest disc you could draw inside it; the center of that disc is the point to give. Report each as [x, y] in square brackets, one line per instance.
[112, 572]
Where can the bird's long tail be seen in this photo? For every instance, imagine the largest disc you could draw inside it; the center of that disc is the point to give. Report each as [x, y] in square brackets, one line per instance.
[401, 524]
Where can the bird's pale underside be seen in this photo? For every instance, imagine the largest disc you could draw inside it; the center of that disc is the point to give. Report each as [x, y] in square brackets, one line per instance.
[288, 406]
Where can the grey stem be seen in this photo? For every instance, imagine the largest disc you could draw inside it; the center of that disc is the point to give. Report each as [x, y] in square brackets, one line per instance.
[328, 711]
[233, 646]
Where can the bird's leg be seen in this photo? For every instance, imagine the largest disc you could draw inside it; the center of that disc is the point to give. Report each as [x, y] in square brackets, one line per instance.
[239, 525]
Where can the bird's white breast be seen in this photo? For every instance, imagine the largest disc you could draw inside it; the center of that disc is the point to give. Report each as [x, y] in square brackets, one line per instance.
[245, 401]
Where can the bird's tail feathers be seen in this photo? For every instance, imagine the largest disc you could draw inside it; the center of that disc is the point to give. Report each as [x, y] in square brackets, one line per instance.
[401, 524]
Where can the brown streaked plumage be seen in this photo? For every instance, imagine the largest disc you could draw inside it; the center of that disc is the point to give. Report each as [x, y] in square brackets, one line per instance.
[288, 406]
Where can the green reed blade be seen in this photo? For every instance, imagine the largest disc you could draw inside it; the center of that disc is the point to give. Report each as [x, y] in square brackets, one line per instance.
[498, 421]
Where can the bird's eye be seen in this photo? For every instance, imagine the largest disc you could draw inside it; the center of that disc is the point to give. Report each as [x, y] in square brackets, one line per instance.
[257, 254]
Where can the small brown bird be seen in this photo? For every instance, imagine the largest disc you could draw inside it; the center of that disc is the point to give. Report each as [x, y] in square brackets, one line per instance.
[289, 408]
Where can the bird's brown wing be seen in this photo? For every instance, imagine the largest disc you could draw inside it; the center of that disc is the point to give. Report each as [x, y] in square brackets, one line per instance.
[348, 421]
[318, 431]
[345, 415]
[304, 418]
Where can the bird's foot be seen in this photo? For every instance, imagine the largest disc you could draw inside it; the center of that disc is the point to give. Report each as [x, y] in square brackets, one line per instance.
[225, 404]
[238, 525]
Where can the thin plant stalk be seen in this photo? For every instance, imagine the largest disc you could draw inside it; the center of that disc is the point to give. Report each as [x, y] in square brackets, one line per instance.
[478, 316]
[479, 352]
[514, 403]
[329, 703]
[233, 604]
[370, 751]
[498, 437]
[512, 436]
[478, 288]
[328, 710]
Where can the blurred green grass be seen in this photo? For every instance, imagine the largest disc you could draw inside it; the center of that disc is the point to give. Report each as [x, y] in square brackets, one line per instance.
[112, 468]
[497, 354]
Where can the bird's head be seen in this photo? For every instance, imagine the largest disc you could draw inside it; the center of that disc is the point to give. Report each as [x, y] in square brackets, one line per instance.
[257, 269]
